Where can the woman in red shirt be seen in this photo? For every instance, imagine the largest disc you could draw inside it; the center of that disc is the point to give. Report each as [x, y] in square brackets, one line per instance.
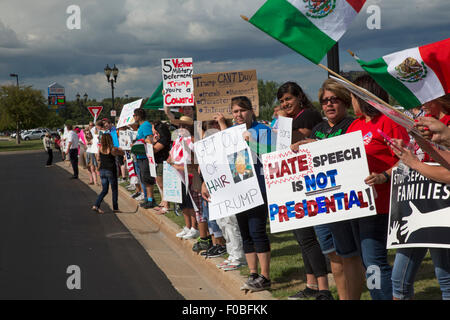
[371, 233]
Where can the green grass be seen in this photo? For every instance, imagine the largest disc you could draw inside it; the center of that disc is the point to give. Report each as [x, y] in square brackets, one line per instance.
[288, 274]
[10, 145]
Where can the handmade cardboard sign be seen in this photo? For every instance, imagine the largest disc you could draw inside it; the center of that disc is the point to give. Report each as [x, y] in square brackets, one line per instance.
[284, 133]
[172, 184]
[213, 92]
[419, 212]
[322, 183]
[177, 82]
[126, 116]
[227, 167]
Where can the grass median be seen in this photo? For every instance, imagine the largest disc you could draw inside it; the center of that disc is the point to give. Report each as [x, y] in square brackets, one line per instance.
[288, 273]
[10, 145]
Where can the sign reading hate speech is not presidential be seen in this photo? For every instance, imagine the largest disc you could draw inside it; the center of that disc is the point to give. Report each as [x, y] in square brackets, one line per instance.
[322, 183]
[177, 82]
[213, 92]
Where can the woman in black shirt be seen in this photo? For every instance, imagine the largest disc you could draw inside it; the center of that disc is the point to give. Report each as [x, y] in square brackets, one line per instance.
[108, 171]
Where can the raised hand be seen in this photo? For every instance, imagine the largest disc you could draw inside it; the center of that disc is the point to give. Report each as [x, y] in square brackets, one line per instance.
[413, 223]
[392, 236]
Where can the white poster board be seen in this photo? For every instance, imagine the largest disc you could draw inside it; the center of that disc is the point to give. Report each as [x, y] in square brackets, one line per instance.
[284, 133]
[322, 183]
[171, 184]
[126, 116]
[151, 159]
[126, 138]
[177, 82]
[227, 167]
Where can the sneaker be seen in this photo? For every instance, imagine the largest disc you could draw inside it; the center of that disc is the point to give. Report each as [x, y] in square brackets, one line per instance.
[252, 277]
[223, 264]
[304, 294]
[131, 187]
[202, 245]
[215, 251]
[324, 295]
[192, 234]
[182, 233]
[135, 195]
[140, 197]
[233, 265]
[149, 205]
[259, 284]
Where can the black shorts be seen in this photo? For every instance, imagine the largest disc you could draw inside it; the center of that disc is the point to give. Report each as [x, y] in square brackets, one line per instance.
[144, 169]
[119, 160]
[186, 199]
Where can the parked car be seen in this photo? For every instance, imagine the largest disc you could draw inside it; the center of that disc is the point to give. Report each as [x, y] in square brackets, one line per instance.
[34, 134]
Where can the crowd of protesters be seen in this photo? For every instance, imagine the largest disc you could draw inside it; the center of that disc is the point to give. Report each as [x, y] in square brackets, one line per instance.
[348, 248]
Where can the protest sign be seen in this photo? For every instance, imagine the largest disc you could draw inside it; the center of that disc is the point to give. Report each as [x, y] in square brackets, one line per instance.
[126, 138]
[322, 183]
[227, 167]
[172, 184]
[177, 82]
[284, 133]
[151, 159]
[420, 211]
[213, 92]
[126, 116]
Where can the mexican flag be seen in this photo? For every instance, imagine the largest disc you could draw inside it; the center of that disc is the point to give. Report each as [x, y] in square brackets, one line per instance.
[413, 76]
[309, 27]
[156, 100]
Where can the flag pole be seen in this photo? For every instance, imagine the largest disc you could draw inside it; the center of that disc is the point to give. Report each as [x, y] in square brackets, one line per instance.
[384, 103]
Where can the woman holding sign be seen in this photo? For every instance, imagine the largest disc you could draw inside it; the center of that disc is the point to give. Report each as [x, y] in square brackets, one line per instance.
[252, 223]
[295, 104]
[371, 232]
[336, 239]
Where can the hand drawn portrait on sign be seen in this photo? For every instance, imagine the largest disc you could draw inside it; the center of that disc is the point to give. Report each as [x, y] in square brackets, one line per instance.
[240, 166]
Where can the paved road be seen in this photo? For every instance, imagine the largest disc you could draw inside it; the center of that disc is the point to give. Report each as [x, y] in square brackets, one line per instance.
[46, 226]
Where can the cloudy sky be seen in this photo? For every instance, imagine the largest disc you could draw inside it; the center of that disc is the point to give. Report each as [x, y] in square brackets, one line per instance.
[36, 43]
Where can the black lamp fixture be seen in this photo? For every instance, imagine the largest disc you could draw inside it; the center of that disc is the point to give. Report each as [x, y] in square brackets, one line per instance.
[114, 71]
[16, 76]
[80, 101]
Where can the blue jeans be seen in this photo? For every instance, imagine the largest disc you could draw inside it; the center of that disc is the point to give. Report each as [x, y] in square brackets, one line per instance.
[406, 265]
[212, 225]
[108, 178]
[371, 235]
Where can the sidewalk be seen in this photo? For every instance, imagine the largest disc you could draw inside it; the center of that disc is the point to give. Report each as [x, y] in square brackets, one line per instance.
[183, 267]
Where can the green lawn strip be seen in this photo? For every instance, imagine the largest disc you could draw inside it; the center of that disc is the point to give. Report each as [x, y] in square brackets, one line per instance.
[10, 145]
[287, 269]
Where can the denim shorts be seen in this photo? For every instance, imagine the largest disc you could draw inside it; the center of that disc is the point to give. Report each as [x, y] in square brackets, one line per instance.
[325, 238]
[91, 159]
[343, 238]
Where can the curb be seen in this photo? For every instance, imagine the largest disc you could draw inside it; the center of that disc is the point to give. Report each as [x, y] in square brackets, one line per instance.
[230, 281]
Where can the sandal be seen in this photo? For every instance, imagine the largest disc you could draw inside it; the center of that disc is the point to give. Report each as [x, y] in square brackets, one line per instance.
[162, 211]
[98, 210]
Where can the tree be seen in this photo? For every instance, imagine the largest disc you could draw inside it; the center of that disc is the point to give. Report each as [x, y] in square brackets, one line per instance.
[21, 108]
[267, 92]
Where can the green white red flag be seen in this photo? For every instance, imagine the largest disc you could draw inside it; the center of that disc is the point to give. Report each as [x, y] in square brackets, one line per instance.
[413, 76]
[309, 27]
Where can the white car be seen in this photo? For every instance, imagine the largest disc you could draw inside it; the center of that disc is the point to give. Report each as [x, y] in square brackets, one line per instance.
[33, 134]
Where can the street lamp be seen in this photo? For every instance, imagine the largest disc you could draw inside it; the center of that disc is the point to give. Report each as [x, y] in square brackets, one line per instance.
[114, 71]
[17, 77]
[80, 101]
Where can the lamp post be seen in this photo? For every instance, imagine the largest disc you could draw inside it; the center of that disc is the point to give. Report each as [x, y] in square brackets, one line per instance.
[114, 71]
[16, 76]
[80, 101]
